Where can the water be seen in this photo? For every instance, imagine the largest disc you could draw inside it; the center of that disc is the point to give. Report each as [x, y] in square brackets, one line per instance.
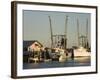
[76, 62]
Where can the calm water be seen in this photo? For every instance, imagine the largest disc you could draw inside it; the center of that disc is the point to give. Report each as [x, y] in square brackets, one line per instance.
[82, 61]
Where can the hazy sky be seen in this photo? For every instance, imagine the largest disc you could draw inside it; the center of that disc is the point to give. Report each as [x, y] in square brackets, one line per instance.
[36, 25]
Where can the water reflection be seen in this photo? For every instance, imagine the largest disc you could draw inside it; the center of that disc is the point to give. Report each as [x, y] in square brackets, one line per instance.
[79, 61]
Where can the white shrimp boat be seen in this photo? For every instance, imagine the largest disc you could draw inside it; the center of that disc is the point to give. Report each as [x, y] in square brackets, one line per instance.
[81, 52]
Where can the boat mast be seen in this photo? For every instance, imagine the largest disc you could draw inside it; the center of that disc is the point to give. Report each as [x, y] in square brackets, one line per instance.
[87, 45]
[65, 44]
[78, 32]
[51, 32]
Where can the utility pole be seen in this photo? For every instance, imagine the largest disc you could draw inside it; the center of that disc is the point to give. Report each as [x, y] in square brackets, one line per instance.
[51, 32]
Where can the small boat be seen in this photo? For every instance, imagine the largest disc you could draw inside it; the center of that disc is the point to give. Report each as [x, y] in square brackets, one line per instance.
[47, 60]
[63, 56]
[36, 60]
[62, 59]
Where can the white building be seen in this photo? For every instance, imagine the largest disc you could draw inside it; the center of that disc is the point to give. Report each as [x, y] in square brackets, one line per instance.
[35, 46]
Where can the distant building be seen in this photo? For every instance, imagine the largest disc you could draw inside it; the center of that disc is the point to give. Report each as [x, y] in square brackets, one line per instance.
[31, 45]
[35, 46]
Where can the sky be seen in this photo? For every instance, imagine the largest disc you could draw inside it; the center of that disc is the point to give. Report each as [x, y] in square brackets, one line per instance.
[36, 26]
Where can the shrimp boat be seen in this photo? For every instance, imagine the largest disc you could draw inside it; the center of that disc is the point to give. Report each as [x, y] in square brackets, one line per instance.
[81, 52]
